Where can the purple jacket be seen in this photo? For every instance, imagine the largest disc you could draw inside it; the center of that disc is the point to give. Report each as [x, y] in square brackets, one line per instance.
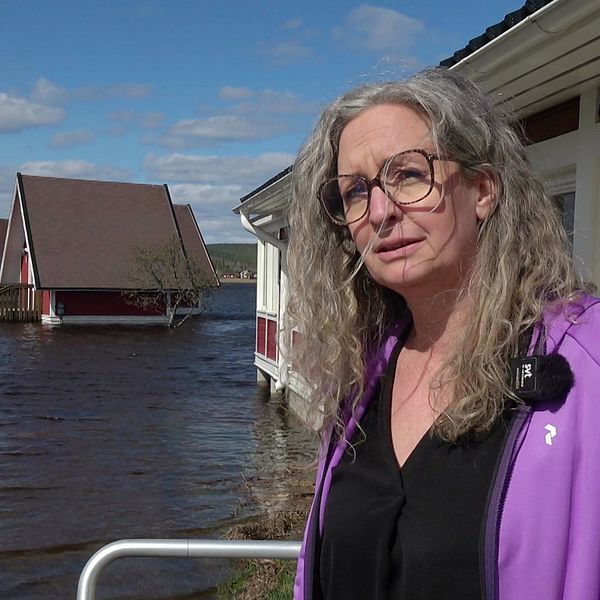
[542, 531]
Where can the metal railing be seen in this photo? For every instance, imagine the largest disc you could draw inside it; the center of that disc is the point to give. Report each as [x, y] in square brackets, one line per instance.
[86, 589]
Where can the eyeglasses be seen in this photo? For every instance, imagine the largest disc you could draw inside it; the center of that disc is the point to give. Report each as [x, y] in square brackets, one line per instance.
[405, 178]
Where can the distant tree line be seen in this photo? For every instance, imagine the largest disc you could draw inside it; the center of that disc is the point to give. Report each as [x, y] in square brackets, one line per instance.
[233, 258]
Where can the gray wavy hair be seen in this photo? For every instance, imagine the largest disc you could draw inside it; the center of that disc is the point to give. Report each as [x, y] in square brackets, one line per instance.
[523, 259]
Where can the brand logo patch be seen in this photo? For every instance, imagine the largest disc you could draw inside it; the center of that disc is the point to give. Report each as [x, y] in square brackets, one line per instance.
[551, 433]
[524, 373]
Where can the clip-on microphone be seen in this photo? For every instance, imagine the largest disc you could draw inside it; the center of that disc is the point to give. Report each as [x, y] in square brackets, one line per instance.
[545, 377]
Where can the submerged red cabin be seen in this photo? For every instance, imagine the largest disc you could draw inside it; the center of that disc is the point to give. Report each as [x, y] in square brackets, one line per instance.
[74, 239]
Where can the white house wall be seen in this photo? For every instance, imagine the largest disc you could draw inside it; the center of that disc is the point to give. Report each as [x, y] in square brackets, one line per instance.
[267, 276]
[261, 281]
[267, 311]
[571, 163]
[587, 196]
[272, 300]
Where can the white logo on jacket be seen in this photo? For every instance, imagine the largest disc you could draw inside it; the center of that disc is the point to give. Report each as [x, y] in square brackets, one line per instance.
[551, 433]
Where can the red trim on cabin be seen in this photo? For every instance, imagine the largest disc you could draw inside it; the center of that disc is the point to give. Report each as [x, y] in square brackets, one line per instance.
[266, 337]
[100, 304]
[261, 326]
[24, 268]
[272, 339]
[45, 302]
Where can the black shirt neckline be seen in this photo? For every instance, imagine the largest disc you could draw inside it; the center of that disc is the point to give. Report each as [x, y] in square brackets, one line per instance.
[410, 532]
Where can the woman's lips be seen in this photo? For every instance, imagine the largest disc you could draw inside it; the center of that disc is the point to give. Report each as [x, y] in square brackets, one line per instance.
[387, 252]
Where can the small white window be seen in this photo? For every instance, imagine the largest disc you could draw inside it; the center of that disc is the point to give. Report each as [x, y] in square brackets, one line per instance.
[566, 206]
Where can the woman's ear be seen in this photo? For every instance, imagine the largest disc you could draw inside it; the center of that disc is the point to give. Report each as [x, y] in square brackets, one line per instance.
[488, 190]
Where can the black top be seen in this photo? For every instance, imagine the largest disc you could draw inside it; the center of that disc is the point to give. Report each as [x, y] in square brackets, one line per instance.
[411, 532]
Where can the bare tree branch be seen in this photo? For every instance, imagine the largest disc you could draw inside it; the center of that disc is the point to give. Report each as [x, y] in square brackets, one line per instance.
[166, 278]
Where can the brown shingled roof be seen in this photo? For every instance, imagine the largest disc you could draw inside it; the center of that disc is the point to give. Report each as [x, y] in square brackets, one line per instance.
[82, 232]
[192, 239]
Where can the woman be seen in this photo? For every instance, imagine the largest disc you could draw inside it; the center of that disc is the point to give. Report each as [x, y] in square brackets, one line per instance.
[425, 256]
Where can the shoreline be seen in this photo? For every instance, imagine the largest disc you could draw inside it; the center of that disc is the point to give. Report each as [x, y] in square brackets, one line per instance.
[254, 579]
[236, 280]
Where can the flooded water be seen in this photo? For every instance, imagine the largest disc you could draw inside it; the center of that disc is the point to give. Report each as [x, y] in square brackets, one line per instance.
[132, 432]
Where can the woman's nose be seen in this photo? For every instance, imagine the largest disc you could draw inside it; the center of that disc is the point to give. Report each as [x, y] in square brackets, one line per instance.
[381, 208]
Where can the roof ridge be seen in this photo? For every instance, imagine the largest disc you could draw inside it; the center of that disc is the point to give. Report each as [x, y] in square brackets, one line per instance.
[79, 180]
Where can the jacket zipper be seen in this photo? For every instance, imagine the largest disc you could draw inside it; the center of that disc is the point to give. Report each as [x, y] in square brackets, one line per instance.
[313, 533]
[496, 502]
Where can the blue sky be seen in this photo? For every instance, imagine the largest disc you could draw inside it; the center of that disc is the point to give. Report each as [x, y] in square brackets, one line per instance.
[211, 97]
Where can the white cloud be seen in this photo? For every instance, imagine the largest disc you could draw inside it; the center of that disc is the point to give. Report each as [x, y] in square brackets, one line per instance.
[46, 92]
[78, 169]
[222, 127]
[381, 30]
[294, 23]
[291, 44]
[252, 115]
[229, 92]
[124, 120]
[212, 205]
[213, 186]
[273, 102]
[133, 91]
[187, 133]
[246, 171]
[68, 139]
[206, 194]
[223, 230]
[117, 130]
[7, 186]
[18, 113]
[45, 105]
[7, 176]
[286, 53]
[151, 119]
[136, 91]
[124, 116]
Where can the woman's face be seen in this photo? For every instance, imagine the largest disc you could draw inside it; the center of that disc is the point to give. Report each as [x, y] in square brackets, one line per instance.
[420, 249]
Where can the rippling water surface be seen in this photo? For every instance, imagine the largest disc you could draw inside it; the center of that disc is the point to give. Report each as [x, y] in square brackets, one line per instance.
[126, 432]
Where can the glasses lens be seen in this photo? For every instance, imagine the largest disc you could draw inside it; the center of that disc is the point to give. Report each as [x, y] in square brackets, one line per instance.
[345, 198]
[407, 177]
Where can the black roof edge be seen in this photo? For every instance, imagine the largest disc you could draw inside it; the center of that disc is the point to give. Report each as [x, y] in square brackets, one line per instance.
[168, 194]
[266, 184]
[210, 262]
[493, 31]
[25, 214]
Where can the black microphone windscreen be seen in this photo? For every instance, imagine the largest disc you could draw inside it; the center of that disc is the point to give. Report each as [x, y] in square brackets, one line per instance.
[556, 377]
